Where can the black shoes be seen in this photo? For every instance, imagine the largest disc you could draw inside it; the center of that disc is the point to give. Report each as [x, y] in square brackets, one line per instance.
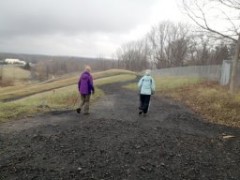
[78, 110]
[141, 112]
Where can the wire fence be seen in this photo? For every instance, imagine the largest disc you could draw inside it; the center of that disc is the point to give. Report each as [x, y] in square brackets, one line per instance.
[209, 72]
[219, 73]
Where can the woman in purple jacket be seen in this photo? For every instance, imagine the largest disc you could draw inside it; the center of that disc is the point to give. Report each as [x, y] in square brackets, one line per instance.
[86, 88]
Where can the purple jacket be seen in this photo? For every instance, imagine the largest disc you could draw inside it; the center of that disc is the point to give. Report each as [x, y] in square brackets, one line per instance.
[85, 83]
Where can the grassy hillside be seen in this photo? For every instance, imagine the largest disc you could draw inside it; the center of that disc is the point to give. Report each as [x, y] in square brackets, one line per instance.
[63, 98]
[15, 72]
[13, 75]
[14, 92]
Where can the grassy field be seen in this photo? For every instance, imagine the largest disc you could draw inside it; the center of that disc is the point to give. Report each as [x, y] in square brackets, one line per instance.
[58, 99]
[26, 90]
[13, 75]
[212, 101]
[15, 72]
[208, 99]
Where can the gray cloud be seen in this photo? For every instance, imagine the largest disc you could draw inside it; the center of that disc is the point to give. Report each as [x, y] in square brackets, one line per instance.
[73, 27]
[28, 17]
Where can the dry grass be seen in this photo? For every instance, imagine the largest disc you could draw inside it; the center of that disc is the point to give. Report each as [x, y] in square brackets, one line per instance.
[6, 82]
[57, 99]
[13, 75]
[60, 99]
[211, 101]
[15, 72]
[26, 90]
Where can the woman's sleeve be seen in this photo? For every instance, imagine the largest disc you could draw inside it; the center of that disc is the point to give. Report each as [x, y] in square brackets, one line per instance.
[140, 83]
[153, 85]
[79, 84]
[91, 83]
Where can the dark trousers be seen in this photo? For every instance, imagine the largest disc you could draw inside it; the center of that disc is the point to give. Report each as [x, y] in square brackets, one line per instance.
[144, 102]
[85, 102]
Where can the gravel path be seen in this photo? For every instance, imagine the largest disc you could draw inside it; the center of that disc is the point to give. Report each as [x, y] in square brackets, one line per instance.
[114, 142]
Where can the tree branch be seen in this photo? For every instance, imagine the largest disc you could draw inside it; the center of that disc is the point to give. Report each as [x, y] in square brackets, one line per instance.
[197, 19]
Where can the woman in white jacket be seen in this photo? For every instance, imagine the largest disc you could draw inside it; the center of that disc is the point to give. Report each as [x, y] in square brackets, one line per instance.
[146, 86]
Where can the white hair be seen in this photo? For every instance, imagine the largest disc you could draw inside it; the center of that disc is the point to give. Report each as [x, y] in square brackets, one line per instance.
[148, 72]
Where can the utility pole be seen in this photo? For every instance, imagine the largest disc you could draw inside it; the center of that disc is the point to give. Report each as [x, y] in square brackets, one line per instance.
[233, 81]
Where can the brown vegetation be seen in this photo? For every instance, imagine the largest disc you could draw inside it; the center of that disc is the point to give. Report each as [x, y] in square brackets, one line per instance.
[211, 101]
[6, 82]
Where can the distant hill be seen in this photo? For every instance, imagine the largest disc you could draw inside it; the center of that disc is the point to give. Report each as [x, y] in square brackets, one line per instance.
[34, 58]
[45, 65]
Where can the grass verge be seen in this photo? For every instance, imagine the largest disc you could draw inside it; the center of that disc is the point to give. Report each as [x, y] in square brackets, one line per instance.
[9, 93]
[212, 101]
[59, 99]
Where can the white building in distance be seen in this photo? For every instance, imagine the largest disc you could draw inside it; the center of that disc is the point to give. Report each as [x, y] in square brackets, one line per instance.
[15, 61]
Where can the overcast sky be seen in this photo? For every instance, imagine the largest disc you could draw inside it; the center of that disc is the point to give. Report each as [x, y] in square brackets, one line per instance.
[89, 28]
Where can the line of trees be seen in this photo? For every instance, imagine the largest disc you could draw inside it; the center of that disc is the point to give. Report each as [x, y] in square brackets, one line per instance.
[171, 44]
[48, 69]
[43, 67]
[168, 44]
[226, 16]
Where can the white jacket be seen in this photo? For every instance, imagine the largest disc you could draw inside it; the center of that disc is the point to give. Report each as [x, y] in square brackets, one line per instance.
[146, 85]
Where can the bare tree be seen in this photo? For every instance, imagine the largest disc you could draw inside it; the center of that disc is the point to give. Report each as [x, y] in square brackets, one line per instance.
[221, 52]
[199, 49]
[134, 55]
[204, 50]
[158, 41]
[221, 18]
[103, 64]
[169, 44]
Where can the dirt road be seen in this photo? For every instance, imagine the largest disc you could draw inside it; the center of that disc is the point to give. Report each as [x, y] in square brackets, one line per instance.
[114, 142]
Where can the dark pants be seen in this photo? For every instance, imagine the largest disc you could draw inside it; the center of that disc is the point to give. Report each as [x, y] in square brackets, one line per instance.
[144, 102]
[85, 103]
